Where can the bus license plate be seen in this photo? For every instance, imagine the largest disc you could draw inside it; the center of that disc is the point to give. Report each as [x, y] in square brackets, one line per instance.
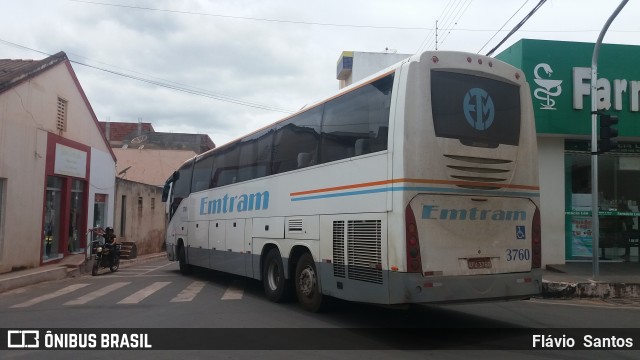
[479, 263]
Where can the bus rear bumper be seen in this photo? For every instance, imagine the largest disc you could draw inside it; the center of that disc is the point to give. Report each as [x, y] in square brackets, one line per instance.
[415, 288]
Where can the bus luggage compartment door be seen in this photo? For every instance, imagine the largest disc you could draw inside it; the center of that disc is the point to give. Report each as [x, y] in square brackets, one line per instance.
[472, 235]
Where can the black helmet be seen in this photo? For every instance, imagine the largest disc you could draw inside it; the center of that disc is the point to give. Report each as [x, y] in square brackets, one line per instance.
[108, 229]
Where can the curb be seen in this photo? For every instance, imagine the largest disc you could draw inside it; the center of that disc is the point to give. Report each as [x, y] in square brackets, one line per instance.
[20, 280]
[62, 271]
[602, 290]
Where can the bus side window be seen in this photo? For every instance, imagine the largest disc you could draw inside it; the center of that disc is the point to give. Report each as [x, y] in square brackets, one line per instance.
[255, 156]
[202, 173]
[295, 144]
[357, 122]
[227, 166]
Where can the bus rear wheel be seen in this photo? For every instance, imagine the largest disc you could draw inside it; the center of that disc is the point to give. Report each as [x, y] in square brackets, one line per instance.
[276, 287]
[306, 282]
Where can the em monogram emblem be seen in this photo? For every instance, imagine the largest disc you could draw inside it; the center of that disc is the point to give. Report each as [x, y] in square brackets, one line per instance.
[478, 109]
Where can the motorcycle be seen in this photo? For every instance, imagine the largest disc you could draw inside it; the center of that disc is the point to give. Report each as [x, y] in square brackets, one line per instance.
[105, 251]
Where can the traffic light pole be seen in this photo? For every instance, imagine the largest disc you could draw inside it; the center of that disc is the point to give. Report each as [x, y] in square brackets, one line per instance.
[595, 221]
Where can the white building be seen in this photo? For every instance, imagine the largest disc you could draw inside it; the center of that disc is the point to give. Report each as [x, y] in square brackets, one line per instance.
[57, 171]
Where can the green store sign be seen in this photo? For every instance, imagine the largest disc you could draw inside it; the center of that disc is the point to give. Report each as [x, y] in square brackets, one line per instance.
[559, 75]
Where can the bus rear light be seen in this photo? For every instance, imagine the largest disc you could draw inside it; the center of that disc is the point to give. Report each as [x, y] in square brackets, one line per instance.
[435, 59]
[414, 260]
[526, 280]
[469, 59]
[536, 241]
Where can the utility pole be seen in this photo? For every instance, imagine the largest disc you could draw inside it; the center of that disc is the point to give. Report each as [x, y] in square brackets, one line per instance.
[595, 221]
[436, 34]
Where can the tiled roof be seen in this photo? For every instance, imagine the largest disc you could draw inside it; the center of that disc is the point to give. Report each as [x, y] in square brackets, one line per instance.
[119, 131]
[12, 72]
[123, 134]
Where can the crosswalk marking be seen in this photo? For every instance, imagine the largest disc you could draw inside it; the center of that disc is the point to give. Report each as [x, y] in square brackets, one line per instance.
[233, 293]
[142, 294]
[50, 296]
[189, 292]
[96, 294]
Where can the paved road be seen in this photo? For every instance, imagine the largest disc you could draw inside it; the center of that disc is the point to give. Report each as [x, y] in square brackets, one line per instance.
[155, 295]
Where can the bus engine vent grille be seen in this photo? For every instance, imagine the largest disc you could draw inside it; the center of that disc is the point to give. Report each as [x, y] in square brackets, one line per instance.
[295, 225]
[338, 249]
[364, 250]
[479, 172]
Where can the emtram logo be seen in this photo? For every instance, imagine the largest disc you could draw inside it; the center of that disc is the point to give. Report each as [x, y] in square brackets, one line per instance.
[479, 109]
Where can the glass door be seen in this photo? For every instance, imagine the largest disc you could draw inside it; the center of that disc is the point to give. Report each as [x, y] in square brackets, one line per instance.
[52, 218]
[76, 212]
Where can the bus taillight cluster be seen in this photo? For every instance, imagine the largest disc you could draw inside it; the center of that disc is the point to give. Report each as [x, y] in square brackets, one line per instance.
[536, 241]
[414, 261]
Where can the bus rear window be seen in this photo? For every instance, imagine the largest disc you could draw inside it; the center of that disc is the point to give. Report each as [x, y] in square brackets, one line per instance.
[478, 111]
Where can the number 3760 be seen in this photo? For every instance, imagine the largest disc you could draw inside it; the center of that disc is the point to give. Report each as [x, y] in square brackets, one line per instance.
[518, 254]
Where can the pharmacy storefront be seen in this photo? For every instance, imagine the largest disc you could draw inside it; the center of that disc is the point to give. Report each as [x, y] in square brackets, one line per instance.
[559, 75]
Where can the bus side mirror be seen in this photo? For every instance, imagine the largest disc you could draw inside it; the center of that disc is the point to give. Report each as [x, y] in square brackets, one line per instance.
[167, 185]
[165, 191]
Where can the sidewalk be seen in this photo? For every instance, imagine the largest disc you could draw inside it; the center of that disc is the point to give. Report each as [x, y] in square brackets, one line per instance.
[70, 266]
[573, 279]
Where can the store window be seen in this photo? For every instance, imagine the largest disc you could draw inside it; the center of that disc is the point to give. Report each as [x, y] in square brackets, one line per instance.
[618, 199]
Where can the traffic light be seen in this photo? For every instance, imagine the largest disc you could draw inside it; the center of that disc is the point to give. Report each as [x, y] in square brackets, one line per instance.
[608, 133]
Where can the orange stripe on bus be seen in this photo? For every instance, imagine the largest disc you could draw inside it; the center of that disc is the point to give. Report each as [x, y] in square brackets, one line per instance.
[417, 181]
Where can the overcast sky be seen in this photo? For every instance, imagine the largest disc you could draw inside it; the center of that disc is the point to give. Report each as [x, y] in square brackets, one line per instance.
[268, 55]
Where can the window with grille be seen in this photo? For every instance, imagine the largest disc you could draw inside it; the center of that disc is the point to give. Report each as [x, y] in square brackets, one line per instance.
[61, 123]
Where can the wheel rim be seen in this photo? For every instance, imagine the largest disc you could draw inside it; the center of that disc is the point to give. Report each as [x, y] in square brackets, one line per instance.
[307, 281]
[273, 276]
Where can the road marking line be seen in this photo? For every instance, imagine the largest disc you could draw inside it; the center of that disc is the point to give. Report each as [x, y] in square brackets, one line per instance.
[154, 269]
[189, 292]
[233, 293]
[96, 294]
[50, 296]
[142, 294]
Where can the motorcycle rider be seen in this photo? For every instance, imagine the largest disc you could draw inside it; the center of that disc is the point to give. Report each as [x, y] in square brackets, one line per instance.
[109, 242]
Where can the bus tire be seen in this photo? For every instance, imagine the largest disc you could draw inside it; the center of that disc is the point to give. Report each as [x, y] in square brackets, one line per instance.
[306, 284]
[276, 286]
[185, 269]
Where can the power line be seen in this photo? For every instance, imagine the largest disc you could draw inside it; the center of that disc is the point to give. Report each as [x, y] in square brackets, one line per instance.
[165, 83]
[461, 12]
[503, 25]
[518, 26]
[249, 18]
[423, 44]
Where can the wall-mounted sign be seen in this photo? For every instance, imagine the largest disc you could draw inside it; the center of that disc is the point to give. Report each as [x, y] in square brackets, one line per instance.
[559, 77]
[70, 162]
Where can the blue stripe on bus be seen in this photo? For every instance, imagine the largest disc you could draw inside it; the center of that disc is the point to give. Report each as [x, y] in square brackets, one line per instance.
[426, 189]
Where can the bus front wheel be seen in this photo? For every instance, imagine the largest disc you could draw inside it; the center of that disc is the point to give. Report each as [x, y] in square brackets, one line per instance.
[185, 269]
[306, 281]
[275, 285]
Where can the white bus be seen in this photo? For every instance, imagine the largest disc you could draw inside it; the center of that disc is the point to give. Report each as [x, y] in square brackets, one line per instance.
[418, 184]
